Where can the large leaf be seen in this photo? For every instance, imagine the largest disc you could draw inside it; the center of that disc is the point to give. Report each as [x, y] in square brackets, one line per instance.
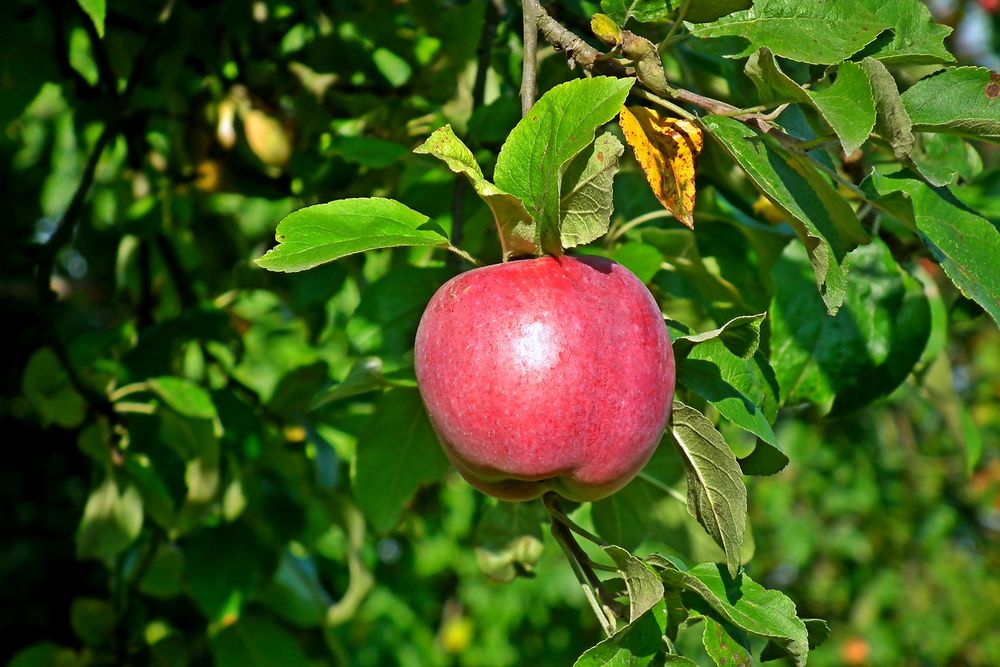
[588, 198]
[862, 353]
[535, 156]
[915, 37]
[516, 228]
[717, 497]
[823, 220]
[891, 120]
[966, 245]
[820, 33]
[848, 106]
[396, 455]
[318, 234]
[636, 645]
[709, 588]
[965, 100]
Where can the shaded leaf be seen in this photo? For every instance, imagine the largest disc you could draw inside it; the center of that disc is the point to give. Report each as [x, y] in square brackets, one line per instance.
[665, 149]
[318, 234]
[822, 219]
[48, 388]
[112, 519]
[586, 206]
[397, 453]
[636, 645]
[725, 649]
[892, 122]
[256, 642]
[772, 84]
[965, 244]
[717, 497]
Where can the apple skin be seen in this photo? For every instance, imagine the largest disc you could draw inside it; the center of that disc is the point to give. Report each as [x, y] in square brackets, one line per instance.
[547, 374]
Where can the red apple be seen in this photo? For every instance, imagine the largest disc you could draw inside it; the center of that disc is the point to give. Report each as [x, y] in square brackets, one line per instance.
[546, 374]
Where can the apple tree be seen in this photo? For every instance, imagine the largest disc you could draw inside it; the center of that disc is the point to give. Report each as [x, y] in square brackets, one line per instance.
[705, 228]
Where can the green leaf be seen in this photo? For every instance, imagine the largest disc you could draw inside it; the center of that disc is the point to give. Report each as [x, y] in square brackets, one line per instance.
[395, 70]
[915, 38]
[364, 377]
[156, 499]
[48, 388]
[397, 454]
[509, 540]
[717, 497]
[891, 120]
[621, 518]
[743, 390]
[964, 100]
[516, 227]
[848, 106]
[709, 588]
[585, 209]
[164, 577]
[223, 570]
[642, 259]
[318, 234]
[644, 11]
[965, 244]
[93, 620]
[942, 158]
[636, 645]
[645, 589]
[772, 84]
[96, 10]
[740, 335]
[112, 519]
[822, 219]
[47, 654]
[256, 642]
[703, 11]
[535, 156]
[184, 397]
[295, 593]
[368, 151]
[819, 33]
[862, 353]
[723, 648]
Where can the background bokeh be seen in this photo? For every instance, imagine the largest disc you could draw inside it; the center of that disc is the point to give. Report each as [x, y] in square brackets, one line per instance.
[236, 536]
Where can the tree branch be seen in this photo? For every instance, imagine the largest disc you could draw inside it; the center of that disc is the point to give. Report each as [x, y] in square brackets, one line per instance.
[529, 87]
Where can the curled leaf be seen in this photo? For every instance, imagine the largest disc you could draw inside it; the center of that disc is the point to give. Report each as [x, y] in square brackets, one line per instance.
[666, 149]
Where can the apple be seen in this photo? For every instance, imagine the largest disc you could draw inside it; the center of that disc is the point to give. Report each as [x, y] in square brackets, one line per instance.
[546, 374]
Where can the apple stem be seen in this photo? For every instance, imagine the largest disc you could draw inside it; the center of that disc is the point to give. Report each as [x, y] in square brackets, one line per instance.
[552, 504]
[580, 562]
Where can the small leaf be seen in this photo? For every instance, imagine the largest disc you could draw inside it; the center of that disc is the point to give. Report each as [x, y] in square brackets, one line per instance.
[396, 455]
[509, 540]
[848, 106]
[891, 120]
[184, 397]
[665, 149]
[823, 220]
[48, 388]
[515, 225]
[710, 589]
[535, 156]
[723, 648]
[318, 234]
[965, 100]
[637, 644]
[800, 31]
[645, 589]
[111, 521]
[740, 335]
[92, 619]
[605, 29]
[773, 85]
[96, 10]
[965, 244]
[585, 209]
[717, 497]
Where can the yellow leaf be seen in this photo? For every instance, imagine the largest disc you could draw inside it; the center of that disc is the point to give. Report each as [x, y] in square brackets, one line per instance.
[665, 149]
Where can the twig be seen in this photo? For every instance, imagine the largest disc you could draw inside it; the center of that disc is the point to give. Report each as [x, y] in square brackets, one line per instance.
[677, 22]
[529, 87]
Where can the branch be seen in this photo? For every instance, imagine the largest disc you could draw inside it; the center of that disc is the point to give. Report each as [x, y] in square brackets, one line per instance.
[533, 14]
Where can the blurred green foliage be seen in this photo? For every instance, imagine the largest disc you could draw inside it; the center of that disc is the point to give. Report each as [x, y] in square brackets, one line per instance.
[188, 482]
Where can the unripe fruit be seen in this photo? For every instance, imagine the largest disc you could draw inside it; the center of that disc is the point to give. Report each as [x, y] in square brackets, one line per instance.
[546, 374]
